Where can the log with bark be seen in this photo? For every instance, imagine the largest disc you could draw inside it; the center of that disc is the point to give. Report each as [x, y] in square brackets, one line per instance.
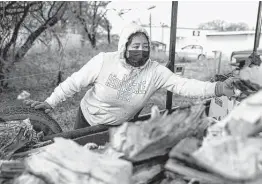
[14, 135]
[10, 169]
[155, 137]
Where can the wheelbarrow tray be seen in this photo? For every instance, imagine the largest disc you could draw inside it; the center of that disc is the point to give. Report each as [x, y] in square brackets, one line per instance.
[99, 134]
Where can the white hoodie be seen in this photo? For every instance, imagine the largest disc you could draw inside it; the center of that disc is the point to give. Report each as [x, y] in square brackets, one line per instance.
[119, 90]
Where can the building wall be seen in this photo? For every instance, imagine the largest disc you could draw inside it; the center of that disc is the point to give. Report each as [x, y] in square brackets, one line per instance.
[224, 43]
[229, 43]
[184, 36]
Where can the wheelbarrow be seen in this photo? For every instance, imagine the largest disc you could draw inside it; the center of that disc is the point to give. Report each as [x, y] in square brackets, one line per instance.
[41, 121]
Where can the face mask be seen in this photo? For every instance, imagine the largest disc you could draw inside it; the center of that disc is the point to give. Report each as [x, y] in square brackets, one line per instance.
[137, 57]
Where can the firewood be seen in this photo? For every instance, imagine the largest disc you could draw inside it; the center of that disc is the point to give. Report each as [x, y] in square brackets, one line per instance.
[148, 171]
[11, 169]
[173, 178]
[155, 137]
[14, 135]
[183, 150]
[66, 162]
[234, 158]
[144, 175]
[28, 179]
[246, 119]
[203, 177]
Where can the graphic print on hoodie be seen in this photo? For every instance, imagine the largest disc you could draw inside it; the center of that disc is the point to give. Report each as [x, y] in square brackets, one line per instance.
[126, 87]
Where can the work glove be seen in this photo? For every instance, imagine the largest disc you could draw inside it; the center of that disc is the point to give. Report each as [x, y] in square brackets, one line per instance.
[226, 88]
[39, 105]
[229, 86]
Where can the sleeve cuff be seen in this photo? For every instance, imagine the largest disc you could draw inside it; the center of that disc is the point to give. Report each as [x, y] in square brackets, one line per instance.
[50, 103]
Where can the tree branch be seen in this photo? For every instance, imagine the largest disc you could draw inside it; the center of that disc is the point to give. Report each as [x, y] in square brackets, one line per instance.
[49, 23]
[15, 33]
[50, 10]
[28, 29]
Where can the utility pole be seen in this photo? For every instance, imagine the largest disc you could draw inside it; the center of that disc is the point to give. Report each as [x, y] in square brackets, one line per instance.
[150, 21]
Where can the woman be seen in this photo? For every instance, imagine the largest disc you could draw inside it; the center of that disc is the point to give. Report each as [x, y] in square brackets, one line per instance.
[123, 81]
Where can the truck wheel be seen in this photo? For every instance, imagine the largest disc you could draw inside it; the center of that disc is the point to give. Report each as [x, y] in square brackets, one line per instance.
[38, 118]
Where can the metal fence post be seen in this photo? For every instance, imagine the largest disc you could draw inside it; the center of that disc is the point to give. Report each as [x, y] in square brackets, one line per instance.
[258, 28]
[172, 49]
[219, 62]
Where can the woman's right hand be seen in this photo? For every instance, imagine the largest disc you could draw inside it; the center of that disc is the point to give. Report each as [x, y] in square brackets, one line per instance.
[39, 105]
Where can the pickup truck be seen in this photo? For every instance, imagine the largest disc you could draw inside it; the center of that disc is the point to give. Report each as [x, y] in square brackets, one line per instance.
[242, 56]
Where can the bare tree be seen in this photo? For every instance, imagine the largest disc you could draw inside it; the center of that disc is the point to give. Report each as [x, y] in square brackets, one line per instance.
[214, 24]
[91, 15]
[240, 26]
[25, 20]
[105, 24]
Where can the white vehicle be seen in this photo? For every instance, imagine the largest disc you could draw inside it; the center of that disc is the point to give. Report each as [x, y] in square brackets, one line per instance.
[193, 52]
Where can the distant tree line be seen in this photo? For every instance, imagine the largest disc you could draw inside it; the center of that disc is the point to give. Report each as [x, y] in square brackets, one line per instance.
[221, 25]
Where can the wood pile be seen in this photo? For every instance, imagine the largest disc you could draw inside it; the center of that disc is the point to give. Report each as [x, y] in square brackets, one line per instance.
[180, 148]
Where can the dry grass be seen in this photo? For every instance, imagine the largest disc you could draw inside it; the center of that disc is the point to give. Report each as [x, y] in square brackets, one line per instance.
[40, 87]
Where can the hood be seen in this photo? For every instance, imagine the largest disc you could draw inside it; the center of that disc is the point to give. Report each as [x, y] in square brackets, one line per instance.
[125, 34]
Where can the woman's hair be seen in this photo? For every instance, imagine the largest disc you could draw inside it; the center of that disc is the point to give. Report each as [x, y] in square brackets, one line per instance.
[130, 38]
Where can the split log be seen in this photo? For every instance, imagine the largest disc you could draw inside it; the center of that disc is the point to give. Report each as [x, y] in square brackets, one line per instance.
[155, 137]
[146, 174]
[235, 158]
[149, 171]
[11, 169]
[202, 177]
[245, 119]
[66, 162]
[28, 179]
[183, 150]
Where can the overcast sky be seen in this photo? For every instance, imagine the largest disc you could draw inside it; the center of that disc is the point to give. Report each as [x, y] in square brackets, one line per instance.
[190, 13]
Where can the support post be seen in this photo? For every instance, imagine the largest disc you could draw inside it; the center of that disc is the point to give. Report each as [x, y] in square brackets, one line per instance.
[172, 49]
[258, 28]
